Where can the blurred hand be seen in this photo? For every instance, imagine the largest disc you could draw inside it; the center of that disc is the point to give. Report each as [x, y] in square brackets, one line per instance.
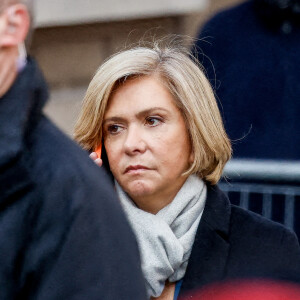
[96, 159]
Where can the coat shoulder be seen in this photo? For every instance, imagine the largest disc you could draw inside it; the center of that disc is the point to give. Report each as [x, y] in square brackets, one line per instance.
[261, 246]
[248, 222]
[55, 159]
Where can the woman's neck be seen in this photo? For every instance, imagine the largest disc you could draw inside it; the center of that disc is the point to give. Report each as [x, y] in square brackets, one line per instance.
[168, 292]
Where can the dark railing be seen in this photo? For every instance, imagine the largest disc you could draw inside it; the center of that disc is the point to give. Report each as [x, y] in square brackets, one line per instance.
[271, 188]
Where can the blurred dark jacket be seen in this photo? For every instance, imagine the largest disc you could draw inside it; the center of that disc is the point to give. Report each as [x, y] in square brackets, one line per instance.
[251, 53]
[232, 243]
[62, 232]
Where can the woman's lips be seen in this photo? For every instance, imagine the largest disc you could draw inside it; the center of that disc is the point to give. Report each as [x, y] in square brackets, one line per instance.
[135, 169]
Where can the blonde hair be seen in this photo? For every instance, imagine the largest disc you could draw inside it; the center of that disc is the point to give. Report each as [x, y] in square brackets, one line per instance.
[192, 93]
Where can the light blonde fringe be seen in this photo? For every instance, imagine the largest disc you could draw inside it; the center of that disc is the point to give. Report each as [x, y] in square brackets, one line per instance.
[192, 93]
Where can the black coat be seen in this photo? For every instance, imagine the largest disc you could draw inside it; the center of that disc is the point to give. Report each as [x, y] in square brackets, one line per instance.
[234, 243]
[255, 71]
[63, 234]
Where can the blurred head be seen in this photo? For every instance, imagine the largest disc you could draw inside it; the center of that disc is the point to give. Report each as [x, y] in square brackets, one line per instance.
[15, 21]
[162, 76]
[251, 289]
[14, 26]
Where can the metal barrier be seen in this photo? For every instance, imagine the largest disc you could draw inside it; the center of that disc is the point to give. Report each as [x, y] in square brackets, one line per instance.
[265, 179]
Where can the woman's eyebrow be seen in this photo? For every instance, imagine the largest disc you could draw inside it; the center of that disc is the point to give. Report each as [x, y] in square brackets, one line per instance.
[113, 119]
[138, 115]
[151, 110]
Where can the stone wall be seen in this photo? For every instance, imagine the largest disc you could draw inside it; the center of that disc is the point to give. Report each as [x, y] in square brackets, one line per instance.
[70, 54]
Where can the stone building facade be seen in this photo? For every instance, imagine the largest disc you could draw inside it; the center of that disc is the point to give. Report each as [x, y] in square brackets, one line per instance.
[71, 42]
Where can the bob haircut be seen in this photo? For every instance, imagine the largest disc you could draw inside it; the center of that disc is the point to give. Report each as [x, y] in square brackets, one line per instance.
[192, 94]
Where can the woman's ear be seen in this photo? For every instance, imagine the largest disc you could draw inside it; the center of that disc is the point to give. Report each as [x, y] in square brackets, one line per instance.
[17, 22]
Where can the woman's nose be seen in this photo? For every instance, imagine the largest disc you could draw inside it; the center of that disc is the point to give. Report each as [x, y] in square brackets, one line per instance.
[135, 141]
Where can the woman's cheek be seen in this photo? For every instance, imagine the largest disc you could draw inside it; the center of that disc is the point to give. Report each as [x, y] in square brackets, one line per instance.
[114, 160]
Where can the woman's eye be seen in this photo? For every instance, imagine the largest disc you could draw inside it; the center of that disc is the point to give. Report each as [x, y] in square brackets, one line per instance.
[113, 129]
[152, 121]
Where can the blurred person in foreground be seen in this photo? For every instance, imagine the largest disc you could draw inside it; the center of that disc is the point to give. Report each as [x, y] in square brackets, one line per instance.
[153, 114]
[63, 234]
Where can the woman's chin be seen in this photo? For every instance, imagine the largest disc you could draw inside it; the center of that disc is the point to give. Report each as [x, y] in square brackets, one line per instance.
[138, 189]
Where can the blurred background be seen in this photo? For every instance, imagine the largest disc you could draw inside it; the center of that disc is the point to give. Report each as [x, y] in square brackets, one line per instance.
[73, 37]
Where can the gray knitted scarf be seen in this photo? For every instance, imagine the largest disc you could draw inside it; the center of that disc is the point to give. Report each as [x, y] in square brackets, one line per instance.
[165, 240]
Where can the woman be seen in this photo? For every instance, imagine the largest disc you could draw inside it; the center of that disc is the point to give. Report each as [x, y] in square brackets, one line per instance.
[153, 113]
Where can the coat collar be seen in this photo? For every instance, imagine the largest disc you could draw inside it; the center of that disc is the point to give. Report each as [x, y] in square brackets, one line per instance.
[211, 247]
[20, 109]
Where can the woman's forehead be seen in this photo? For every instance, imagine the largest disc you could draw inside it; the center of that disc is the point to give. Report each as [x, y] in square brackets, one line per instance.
[140, 94]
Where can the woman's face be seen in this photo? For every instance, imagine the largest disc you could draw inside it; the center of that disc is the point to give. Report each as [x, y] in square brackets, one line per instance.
[147, 142]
